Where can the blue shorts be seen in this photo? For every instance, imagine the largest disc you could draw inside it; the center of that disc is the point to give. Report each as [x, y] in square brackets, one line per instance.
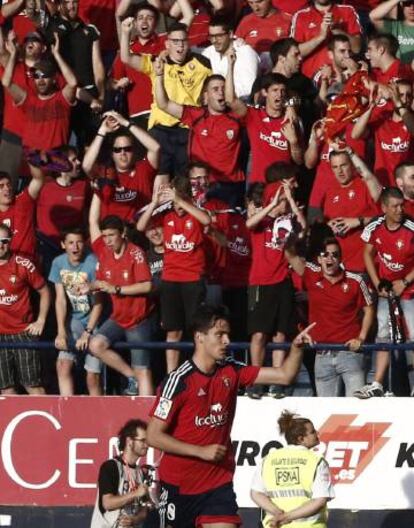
[192, 511]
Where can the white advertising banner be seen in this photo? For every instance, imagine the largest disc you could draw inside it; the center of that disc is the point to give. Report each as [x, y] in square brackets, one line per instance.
[369, 446]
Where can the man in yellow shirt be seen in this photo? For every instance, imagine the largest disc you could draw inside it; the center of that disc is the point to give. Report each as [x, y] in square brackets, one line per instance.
[184, 76]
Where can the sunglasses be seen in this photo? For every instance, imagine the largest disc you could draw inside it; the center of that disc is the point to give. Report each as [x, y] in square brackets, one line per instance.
[333, 254]
[5, 240]
[117, 150]
[41, 75]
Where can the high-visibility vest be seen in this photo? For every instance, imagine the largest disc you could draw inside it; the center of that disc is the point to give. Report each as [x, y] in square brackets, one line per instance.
[288, 475]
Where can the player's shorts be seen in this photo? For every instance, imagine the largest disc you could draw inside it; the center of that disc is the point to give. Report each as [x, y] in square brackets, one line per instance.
[179, 301]
[270, 308]
[19, 365]
[192, 511]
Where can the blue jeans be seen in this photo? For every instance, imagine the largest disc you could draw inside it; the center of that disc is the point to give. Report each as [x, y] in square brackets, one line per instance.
[140, 358]
[332, 369]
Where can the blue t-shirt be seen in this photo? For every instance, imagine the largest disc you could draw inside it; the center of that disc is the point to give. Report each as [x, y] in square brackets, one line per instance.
[72, 278]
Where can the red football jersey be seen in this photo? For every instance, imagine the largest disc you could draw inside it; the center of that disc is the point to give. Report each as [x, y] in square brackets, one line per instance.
[139, 92]
[395, 249]
[351, 201]
[239, 253]
[335, 307]
[393, 145]
[397, 70]
[130, 268]
[215, 140]
[133, 190]
[269, 265]
[409, 207]
[306, 25]
[20, 217]
[216, 253]
[267, 142]
[260, 33]
[17, 277]
[199, 409]
[46, 121]
[59, 207]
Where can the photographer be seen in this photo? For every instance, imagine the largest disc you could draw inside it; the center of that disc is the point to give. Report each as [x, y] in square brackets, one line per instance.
[123, 495]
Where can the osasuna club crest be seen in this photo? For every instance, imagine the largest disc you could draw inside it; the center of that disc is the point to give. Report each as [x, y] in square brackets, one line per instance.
[230, 134]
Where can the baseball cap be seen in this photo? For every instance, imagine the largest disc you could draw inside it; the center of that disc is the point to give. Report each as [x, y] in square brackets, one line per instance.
[34, 36]
[45, 67]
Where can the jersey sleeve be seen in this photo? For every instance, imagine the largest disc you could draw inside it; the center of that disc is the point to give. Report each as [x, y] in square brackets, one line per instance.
[248, 375]
[54, 274]
[322, 485]
[169, 398]
[353, 25]
[190, 114]
[34, 278]
[108, 480]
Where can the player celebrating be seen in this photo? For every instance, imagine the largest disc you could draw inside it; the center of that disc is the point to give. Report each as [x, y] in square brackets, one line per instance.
[192, 419]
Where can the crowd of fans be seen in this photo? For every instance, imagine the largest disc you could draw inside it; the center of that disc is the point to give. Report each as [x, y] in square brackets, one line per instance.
[161, 154]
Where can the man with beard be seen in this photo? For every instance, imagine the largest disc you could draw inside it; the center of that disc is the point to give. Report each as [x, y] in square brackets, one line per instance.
[313, 27]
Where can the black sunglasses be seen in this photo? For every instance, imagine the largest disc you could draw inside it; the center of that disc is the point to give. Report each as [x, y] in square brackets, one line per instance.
[117, 150]
[41, 75]
[5, 240]
[333, 254]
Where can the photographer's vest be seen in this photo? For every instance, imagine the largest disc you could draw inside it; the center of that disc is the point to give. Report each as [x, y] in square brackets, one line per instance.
[288, 474]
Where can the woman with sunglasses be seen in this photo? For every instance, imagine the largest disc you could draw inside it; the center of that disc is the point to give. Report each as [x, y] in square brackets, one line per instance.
[127, 185]
[397, 18]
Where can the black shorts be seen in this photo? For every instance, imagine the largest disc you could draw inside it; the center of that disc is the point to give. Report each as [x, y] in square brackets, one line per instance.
[179, 301]
[191, 511]
[19, 365]
[270, 308]
[173, 154]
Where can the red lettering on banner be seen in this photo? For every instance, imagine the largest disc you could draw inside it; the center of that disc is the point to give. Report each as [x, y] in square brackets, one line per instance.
[350, 448]
[51, 447]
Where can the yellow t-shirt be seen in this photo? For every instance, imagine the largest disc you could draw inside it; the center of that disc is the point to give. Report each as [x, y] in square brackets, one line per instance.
[183, 84]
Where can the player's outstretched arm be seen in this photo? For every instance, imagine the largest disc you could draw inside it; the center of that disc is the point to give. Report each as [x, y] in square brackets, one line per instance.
[286, 374]
[158, 437]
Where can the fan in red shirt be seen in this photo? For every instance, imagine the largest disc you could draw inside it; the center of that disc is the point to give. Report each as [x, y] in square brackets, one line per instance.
[404, 177]
[182, 284]
[18, 276]
[264, 25]
[13, 119]
[389, 259]
[215, 133]
[272, 218]
[47, 112]
[313, 26]
[336, 299]
[273, 130]
[124, 274]
[136, 85]
[382, 51]
[393, 134]
[18, 212]
[192, 419]
[126, 188]
[350, 203]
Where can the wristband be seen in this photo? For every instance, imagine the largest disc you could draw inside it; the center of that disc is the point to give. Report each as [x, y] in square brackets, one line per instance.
[361, 221]
[100, 135]
[129, 125]
[88, 330]
[406, 282]
[117, 290]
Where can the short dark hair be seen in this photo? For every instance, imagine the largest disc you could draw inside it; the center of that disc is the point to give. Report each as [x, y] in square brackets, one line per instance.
[182, 185]
[122, 133]
[387, 41]
[331, 241]
[337, 38]
[206, 317]
[336, 153]
[196, 164]
[211, 78]
[221, 20]
[390, 192]
[67, 149]
[273, 78]
[8, 230]
[72, 230]
[5, 176]
[255, 193]
[112, 222]
[177, 26]
[281, 47]
[129, 430]
[280, 170]
[147, 7]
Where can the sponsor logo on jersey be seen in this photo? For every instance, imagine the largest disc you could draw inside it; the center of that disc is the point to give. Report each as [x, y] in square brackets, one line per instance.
[397, 145]
[238, 246]
[386, 259]
[180, 243]
[275, 140]
[124, 195]
[216, 418]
